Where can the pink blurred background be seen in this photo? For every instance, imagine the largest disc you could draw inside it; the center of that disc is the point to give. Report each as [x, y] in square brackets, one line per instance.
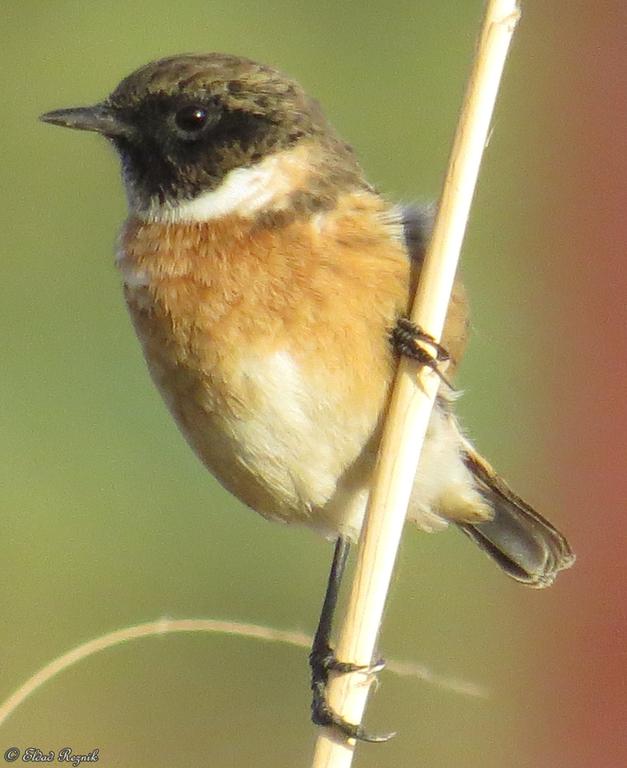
[586, 126]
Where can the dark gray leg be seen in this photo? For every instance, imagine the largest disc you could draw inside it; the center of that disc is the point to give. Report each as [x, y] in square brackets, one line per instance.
[322, 659]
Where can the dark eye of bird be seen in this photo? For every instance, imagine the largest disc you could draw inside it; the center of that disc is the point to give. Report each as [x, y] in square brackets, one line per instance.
[191, 119]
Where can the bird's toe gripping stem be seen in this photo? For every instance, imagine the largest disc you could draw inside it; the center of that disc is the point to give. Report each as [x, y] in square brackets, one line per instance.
[408, 340]
[323, 661]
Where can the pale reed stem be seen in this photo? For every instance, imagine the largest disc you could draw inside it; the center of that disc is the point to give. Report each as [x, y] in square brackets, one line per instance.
[414, 393]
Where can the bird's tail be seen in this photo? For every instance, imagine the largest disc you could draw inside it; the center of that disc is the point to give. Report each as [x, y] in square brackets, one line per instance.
[525, 545]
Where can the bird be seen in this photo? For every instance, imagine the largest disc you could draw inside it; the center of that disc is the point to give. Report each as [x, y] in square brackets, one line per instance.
[269, 285]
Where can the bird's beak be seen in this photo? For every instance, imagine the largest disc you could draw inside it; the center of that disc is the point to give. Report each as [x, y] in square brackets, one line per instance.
[100, 118]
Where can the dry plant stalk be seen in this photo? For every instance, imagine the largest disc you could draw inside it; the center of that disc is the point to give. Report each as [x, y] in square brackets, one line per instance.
[167, 626]
[413, 396]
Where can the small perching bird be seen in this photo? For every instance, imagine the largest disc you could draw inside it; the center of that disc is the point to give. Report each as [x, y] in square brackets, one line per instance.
[269, 285]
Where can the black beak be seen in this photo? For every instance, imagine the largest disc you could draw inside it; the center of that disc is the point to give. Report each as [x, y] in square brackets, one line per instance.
[100, 118]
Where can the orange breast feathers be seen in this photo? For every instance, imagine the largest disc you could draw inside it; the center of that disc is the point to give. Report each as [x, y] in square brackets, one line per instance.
[207, 298]
[269, 341]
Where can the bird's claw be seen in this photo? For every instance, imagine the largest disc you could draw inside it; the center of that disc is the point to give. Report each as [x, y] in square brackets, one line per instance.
[322, 714]
[408, 340]
[323, 661]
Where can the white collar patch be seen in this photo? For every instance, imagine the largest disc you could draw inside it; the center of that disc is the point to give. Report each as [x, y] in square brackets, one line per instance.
[243, 191]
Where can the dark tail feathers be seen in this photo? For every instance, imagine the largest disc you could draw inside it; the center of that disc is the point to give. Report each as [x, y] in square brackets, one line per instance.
[525, 545]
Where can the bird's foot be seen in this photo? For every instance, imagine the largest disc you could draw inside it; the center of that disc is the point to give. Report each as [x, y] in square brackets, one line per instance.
[408, 340]
[323, 661]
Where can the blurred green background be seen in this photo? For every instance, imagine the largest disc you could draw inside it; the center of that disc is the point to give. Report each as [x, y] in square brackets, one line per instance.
[108, 519]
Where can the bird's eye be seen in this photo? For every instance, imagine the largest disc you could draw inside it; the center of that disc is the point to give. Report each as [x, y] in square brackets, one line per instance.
[191, 120]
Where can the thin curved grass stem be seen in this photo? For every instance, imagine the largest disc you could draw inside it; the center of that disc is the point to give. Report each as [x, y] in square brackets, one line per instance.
[169, 626]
